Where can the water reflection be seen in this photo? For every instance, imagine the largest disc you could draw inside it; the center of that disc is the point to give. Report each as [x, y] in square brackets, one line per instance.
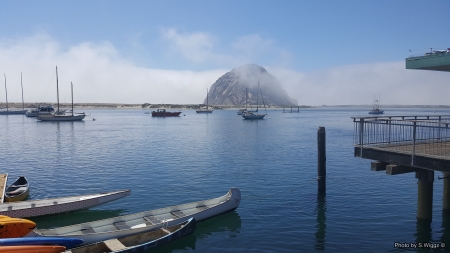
[67, 219]
[227, 224]
[445, 227]
[321, 221]
[423, 233]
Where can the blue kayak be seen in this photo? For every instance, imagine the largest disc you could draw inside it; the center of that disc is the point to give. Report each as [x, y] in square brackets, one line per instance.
[67, 242]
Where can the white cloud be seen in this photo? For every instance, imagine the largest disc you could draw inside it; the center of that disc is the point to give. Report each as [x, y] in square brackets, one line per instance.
[101, 74]
[196, 47]
[357, 84]
[98, 72]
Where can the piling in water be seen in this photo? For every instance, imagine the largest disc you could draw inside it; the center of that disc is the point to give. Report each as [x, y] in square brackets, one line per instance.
[321, 163]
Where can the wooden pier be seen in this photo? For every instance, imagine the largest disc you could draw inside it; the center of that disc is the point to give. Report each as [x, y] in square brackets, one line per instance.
[405, 144]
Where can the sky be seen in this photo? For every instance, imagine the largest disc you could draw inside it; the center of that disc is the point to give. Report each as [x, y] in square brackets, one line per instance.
[322, 52]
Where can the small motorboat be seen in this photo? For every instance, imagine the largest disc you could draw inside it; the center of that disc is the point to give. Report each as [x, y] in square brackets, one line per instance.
[164, 113]
[18, 190]
[139, 242]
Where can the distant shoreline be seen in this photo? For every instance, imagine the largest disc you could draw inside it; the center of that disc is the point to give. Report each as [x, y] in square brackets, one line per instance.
[192, 106]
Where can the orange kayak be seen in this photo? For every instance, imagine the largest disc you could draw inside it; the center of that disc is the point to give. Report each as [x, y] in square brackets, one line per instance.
[32, 249]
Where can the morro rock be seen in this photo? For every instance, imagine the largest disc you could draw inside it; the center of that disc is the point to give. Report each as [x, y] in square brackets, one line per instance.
[230, 88]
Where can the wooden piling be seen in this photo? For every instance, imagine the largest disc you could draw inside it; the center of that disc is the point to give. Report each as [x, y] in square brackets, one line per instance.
[446, 195]
[321, 163]
[425, 194]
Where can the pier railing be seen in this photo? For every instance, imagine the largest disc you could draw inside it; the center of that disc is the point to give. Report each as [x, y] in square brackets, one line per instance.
[413, 135]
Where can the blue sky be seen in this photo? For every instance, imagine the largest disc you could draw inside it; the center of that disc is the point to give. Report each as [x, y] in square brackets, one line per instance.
[323, 52]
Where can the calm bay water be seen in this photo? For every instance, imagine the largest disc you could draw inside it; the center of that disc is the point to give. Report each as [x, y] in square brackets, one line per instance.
[169, 161]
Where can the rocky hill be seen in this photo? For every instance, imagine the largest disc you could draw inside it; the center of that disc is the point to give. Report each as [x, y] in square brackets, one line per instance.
[230, 88]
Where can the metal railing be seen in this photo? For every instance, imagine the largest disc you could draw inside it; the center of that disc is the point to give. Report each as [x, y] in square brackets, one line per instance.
[414, 135]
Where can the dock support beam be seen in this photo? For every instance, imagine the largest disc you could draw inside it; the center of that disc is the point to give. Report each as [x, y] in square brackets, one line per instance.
[321, 163]
[425, 194]
[446, 195]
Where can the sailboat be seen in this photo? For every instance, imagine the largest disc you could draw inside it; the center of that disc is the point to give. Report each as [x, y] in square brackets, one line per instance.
[255, 114]
[11, 112]
[376, 106]
[205, 110]
[60, 115]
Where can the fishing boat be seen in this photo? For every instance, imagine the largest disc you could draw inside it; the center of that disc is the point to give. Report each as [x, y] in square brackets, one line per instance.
[60, 115]
[254, 114]
[41, 110]
[34, 208]
[140, 242]
[32, 249]
[130, 224]
[22, 241]
[376, 106]
[164, 113]
[12, 112]
[18, 190]
[205, 110]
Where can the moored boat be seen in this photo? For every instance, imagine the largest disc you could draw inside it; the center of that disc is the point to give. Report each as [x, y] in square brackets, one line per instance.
[250, 115]
[18, 190]
[12, 112]
[376, 106]
[164, 113]
[60, 115]
[139, 242]
[34, 208]
[41, 110]
[205, 109]
[125, 225]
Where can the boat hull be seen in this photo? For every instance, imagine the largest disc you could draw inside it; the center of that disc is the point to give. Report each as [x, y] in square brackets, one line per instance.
[60, 118]
[35, 208]
[106, 229]
[141, 242]
[14, 112]
[166, 114]
[32, 249]
[377, 112]
[253, 116]
[204, 111]
[21, 186]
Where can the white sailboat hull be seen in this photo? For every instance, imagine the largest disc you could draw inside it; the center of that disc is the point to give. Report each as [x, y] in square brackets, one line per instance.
[34, 208]
[60, 117]
[121, 226]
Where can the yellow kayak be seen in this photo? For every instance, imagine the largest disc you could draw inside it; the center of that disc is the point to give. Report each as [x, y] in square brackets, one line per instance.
[15, 227]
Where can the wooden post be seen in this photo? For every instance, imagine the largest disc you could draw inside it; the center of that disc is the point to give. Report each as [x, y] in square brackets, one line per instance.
[321, 163]
[425, 194]
[446, 195]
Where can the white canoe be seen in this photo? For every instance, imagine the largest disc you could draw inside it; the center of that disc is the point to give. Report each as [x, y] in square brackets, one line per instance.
[34, 208]
[117, 227]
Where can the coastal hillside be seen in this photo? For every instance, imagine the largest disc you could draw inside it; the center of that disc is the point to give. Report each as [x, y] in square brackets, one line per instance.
[229, 89]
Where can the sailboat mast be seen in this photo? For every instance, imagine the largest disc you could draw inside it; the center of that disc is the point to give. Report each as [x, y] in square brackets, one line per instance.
[57, 89]
[246, 99]
[257, 96]
[207, 102]
[71, 91]
[23, 105]
[6, 92]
